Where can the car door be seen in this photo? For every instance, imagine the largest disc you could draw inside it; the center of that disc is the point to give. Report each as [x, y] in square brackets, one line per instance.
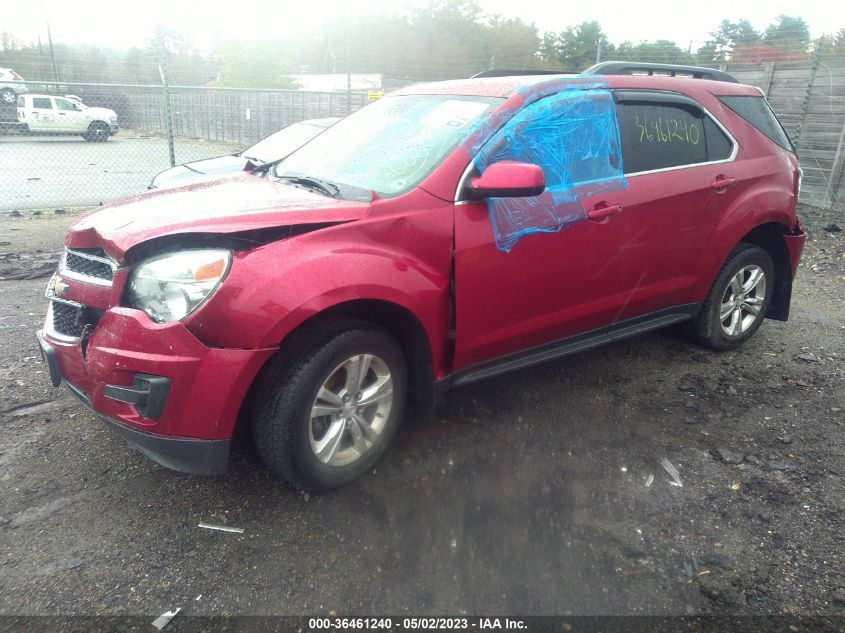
[42, 115]
[554, 281]
[69, 118]
[675, 155]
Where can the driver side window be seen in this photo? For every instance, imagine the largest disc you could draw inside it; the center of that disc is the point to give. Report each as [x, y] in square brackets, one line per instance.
[574, 136]
[63, 104]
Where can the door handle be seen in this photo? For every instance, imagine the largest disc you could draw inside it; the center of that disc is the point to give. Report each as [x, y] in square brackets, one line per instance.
[722, 183]
[603, 212]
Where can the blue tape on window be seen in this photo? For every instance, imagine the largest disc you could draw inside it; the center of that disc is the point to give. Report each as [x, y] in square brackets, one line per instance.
[569, 128]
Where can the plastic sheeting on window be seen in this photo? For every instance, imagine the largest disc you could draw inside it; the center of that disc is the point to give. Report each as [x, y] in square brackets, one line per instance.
[569, 128]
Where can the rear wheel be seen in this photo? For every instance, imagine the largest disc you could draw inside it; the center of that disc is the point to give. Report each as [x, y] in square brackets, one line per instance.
[8, 97]
[97, 132]
[738, 301]
[328, 407]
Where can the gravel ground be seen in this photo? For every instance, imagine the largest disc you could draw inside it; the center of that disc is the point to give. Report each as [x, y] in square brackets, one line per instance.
[540, 492]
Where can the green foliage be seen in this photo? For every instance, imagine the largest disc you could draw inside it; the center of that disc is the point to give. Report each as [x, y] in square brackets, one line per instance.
[577, 47]
[659, 51]
[725, 39]
[250, 64]
[788, 34]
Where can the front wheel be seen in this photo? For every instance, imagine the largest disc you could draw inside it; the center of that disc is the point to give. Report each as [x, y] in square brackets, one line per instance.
[8, 97]
[97, 132]
[328, 406]
[738, 301]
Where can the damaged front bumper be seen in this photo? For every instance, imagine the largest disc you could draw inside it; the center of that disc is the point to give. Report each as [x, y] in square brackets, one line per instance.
[169, 395]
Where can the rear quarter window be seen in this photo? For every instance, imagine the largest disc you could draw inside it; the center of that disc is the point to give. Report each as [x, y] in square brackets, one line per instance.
[757, 112]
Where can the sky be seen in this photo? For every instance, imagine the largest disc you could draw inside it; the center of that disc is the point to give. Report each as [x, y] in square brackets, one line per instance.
[120, 24]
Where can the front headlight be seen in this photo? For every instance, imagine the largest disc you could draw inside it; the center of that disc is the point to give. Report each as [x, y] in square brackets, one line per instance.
[168, 288]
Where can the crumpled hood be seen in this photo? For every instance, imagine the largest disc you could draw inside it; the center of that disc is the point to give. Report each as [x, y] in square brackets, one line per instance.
[226, 205]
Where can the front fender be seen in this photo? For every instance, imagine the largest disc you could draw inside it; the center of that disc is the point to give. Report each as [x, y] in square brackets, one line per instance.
[273, 289]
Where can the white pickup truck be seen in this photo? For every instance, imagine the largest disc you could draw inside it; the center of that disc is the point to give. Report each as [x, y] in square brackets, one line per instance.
[47, 114]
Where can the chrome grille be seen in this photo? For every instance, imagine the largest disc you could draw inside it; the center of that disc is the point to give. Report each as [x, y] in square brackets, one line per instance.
[67, 319]
[91, 265]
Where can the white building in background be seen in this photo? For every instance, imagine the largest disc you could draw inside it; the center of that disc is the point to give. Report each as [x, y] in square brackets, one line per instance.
[336, 82]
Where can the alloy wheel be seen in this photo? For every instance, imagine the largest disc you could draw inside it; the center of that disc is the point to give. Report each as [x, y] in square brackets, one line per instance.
[351, 409]
[742, 300]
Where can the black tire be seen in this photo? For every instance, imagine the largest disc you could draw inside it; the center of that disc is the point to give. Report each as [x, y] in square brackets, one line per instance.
[707, 328]
[8, 98]
[98, 132]
[287, 389]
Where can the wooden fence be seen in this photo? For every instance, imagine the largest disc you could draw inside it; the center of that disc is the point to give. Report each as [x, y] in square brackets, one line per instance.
[809, 99]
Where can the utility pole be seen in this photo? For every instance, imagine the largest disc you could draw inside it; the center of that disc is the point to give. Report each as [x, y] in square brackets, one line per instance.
[598, 52]
[42, 58]
[52, 55]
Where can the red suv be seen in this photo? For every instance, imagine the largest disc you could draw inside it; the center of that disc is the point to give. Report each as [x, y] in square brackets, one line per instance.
[447, 233]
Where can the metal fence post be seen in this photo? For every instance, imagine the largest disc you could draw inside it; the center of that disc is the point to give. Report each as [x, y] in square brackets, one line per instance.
[833, 185]
[805, 105]
[348, 79]
[168, 120]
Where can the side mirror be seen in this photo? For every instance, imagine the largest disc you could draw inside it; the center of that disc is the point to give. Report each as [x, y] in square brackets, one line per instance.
[508, 179]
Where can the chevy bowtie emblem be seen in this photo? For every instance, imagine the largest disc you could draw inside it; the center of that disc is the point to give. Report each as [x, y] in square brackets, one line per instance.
[58, 287]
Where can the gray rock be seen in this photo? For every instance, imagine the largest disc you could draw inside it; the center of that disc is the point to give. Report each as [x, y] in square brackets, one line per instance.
[777, 465]
[727, 455]
[719, 589]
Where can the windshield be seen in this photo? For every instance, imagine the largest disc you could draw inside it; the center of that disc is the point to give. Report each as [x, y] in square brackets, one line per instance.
[282, 143]
[389, 146]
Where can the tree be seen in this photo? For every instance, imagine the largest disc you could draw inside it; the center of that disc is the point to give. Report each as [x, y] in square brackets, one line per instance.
[659, 51]
[724, 40]
[788, 34]
[252, 65]
[511, 43]
[577, 47]
[836, 44]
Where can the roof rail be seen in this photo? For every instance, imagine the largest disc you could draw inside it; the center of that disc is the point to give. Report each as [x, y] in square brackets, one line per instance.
[517, 73]
[673, 70]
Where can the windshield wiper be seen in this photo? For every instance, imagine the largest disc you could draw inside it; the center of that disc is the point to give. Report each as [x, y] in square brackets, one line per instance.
[317, 184]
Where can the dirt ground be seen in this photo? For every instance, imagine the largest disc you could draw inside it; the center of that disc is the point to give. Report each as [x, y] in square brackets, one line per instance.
[539, 492]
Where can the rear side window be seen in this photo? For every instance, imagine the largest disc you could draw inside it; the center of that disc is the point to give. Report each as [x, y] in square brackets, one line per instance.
[42, 103]
[659, 136]
[757, 112]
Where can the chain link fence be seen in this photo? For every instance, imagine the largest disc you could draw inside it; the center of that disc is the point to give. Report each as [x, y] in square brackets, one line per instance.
[72, 145]
[52, 157]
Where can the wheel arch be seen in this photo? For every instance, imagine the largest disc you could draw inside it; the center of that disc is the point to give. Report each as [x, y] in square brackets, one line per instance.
[770, 237]
[399, 322]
